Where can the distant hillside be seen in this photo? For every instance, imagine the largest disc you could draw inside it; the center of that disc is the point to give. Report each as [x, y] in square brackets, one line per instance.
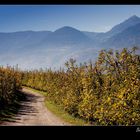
[127, 38]
[34, 49]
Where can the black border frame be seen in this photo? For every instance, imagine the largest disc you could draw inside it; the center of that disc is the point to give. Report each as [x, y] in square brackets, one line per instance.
[68, 132]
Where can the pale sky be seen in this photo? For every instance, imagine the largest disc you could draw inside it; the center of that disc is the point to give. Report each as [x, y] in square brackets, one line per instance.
[94, 18]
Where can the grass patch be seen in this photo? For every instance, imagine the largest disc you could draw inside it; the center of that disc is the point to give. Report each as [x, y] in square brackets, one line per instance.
[35, 90]
[59, 111]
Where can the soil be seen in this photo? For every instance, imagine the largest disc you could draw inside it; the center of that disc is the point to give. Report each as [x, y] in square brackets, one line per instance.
[34, 112]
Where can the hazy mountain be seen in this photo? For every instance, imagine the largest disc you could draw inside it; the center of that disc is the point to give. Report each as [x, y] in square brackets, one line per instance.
[127, 38]
[21, 40]
[66, 36]
[32, 49]
[91, 35]
[102, 37]
[35, 49]
[124, 25]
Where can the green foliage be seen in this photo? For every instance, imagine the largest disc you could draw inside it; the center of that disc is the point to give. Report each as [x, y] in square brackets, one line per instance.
[10, 83]
[106, 92]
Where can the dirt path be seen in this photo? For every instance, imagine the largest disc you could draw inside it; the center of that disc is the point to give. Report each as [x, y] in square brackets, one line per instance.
[34, 112]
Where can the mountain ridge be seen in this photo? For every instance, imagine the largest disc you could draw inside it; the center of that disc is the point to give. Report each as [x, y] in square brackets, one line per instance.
[35, 49]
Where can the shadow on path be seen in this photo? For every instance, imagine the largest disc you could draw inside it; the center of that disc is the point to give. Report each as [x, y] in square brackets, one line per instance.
[12, 113]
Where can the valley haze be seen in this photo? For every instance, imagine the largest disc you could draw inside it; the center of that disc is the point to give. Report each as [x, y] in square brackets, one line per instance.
[45, 49]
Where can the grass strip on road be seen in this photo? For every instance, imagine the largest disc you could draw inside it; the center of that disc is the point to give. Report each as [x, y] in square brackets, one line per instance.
[59, 111]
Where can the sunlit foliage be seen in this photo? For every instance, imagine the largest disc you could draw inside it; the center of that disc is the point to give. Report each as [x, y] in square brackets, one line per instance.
[106, 92]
